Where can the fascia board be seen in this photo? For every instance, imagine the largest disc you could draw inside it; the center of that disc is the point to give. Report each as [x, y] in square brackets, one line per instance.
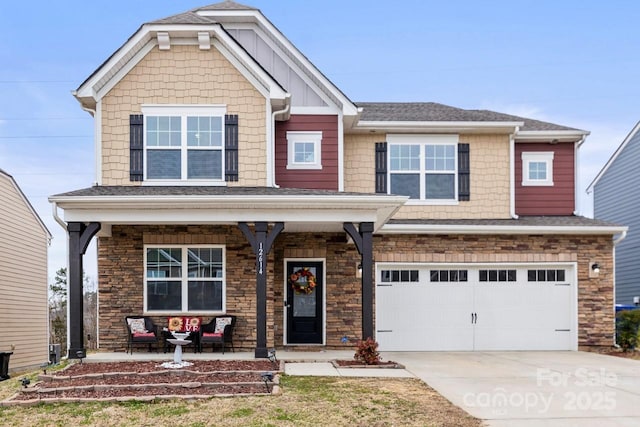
[498, 229]
[613, 157]
[88, 88]
[451, 126]
[547, 135]
[349, 109]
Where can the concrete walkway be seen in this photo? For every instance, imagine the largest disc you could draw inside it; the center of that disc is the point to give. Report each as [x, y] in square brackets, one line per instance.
[312, 363]
[527, 389]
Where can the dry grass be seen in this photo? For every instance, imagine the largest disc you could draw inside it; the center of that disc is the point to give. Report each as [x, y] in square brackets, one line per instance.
[305, 401]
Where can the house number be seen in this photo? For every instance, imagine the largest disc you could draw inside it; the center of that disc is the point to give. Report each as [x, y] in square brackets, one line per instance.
[260, 258]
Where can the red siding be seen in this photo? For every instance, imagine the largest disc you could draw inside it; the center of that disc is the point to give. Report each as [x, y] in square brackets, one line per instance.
[321, 179]
[556, 200]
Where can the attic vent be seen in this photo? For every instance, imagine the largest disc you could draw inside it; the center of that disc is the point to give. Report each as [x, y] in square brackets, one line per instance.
[163, 41]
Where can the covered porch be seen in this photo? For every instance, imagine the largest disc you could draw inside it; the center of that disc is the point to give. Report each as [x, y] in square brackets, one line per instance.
[262, 236]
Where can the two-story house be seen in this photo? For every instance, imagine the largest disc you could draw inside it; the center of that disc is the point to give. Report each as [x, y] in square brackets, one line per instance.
[234, 177]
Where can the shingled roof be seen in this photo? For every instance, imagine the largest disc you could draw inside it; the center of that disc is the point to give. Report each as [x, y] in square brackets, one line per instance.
[432, 111]
[191, 17]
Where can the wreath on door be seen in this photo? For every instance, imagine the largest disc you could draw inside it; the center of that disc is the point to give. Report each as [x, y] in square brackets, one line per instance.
[302, 286]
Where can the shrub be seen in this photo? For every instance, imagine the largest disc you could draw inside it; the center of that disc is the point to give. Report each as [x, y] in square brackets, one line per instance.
[627, 326]
[367, 352]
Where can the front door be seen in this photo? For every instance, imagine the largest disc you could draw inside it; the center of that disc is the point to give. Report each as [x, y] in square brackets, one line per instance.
[304, 303]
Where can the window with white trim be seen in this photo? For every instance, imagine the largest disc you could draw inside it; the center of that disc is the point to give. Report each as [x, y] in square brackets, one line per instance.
[184, 143]
[424, 167]
[184, 279]
[537, 168]
[304, 150]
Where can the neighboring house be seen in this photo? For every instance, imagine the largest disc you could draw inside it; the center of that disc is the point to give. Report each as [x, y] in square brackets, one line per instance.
[616, 197]
[230, 169]
[24, 304]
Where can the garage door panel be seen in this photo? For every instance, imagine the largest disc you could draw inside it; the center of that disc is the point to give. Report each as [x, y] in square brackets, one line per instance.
[421, 317]
[515, 315]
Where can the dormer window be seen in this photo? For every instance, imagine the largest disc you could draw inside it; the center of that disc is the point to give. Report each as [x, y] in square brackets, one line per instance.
[537, 168]
[184, 143]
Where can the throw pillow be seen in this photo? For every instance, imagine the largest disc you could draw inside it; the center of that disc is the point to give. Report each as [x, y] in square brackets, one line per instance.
[175, 324]
[221, 322]
[137, 326]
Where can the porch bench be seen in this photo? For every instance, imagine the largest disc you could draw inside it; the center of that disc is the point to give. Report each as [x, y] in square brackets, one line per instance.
[141, 330]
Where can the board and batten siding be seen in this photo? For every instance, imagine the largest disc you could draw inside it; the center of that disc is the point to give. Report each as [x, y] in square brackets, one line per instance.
[558, 199]
[316, 179]
[23, 280]
[616, 198]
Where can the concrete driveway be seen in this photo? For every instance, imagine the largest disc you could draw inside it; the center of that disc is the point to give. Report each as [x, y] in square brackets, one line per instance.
[525, 389]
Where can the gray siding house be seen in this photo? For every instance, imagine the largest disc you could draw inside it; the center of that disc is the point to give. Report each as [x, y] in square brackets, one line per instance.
[616, 198]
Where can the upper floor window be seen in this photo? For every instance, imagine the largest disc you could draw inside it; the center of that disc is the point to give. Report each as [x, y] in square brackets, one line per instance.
[537, 168]
[184, 142]
[423, 167]
[184, 279]
[304, 150]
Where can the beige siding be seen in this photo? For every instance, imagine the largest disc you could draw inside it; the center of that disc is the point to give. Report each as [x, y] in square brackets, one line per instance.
[23, 280]
[184, 75]
[489, 177]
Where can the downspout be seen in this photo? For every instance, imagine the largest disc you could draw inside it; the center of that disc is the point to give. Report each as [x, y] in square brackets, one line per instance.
[59, 220]
[576, 166]
[512, 173]
[273, 137]
[619, 239]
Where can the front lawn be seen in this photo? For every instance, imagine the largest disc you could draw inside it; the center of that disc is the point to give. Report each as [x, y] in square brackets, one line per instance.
[330, 401]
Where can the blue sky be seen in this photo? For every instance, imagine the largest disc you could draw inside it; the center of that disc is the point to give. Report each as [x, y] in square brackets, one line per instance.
[568, 62]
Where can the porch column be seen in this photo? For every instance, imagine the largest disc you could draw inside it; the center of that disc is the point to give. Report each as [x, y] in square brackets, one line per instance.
[363, 238]
[80, 235]
[261, 242]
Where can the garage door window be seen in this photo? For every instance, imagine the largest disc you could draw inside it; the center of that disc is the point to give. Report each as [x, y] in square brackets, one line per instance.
[400, 276]
[545, 275]
[498, 275]
[448, 276]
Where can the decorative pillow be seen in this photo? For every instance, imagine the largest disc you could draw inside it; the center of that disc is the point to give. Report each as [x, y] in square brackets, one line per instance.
[176, 324]
[192, 324]
[137, 326]
[221, 322]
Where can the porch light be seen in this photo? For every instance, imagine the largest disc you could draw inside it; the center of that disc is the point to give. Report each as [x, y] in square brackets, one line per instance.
[595, 267]
[359, 270]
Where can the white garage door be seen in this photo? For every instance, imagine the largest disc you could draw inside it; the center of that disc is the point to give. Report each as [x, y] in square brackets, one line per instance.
[494, 307]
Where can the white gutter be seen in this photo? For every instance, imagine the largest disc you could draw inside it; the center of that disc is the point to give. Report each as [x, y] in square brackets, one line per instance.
[512, 173]
[497, 229]
[59, 220]
[620, 238]
[576, 167]
[271, 149]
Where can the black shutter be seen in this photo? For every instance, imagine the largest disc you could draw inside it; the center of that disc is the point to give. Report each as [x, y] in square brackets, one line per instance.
[136, 147]
[381, 167]
[231, 147]
[464, 185]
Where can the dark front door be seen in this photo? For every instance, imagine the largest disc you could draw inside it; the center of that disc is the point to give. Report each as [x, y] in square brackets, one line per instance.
[304, 304]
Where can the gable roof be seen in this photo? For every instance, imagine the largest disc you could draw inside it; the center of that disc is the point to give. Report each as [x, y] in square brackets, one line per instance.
[27, 203]
[431, 111]
[613, 157]
[226, 5]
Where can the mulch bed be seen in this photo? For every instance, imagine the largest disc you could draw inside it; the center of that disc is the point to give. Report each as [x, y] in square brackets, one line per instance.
[148, 381]
[356, 364]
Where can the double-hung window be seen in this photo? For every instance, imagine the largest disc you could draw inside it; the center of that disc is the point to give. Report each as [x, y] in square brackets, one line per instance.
[423, 167]
[184, 279]
[184, 143]
[537, 168]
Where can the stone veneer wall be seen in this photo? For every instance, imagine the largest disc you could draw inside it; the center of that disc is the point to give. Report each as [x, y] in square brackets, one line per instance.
[120, 264]
[121, 269]
[595, 295]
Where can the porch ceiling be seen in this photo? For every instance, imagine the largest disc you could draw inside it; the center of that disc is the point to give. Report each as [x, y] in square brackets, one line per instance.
[299, 210]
